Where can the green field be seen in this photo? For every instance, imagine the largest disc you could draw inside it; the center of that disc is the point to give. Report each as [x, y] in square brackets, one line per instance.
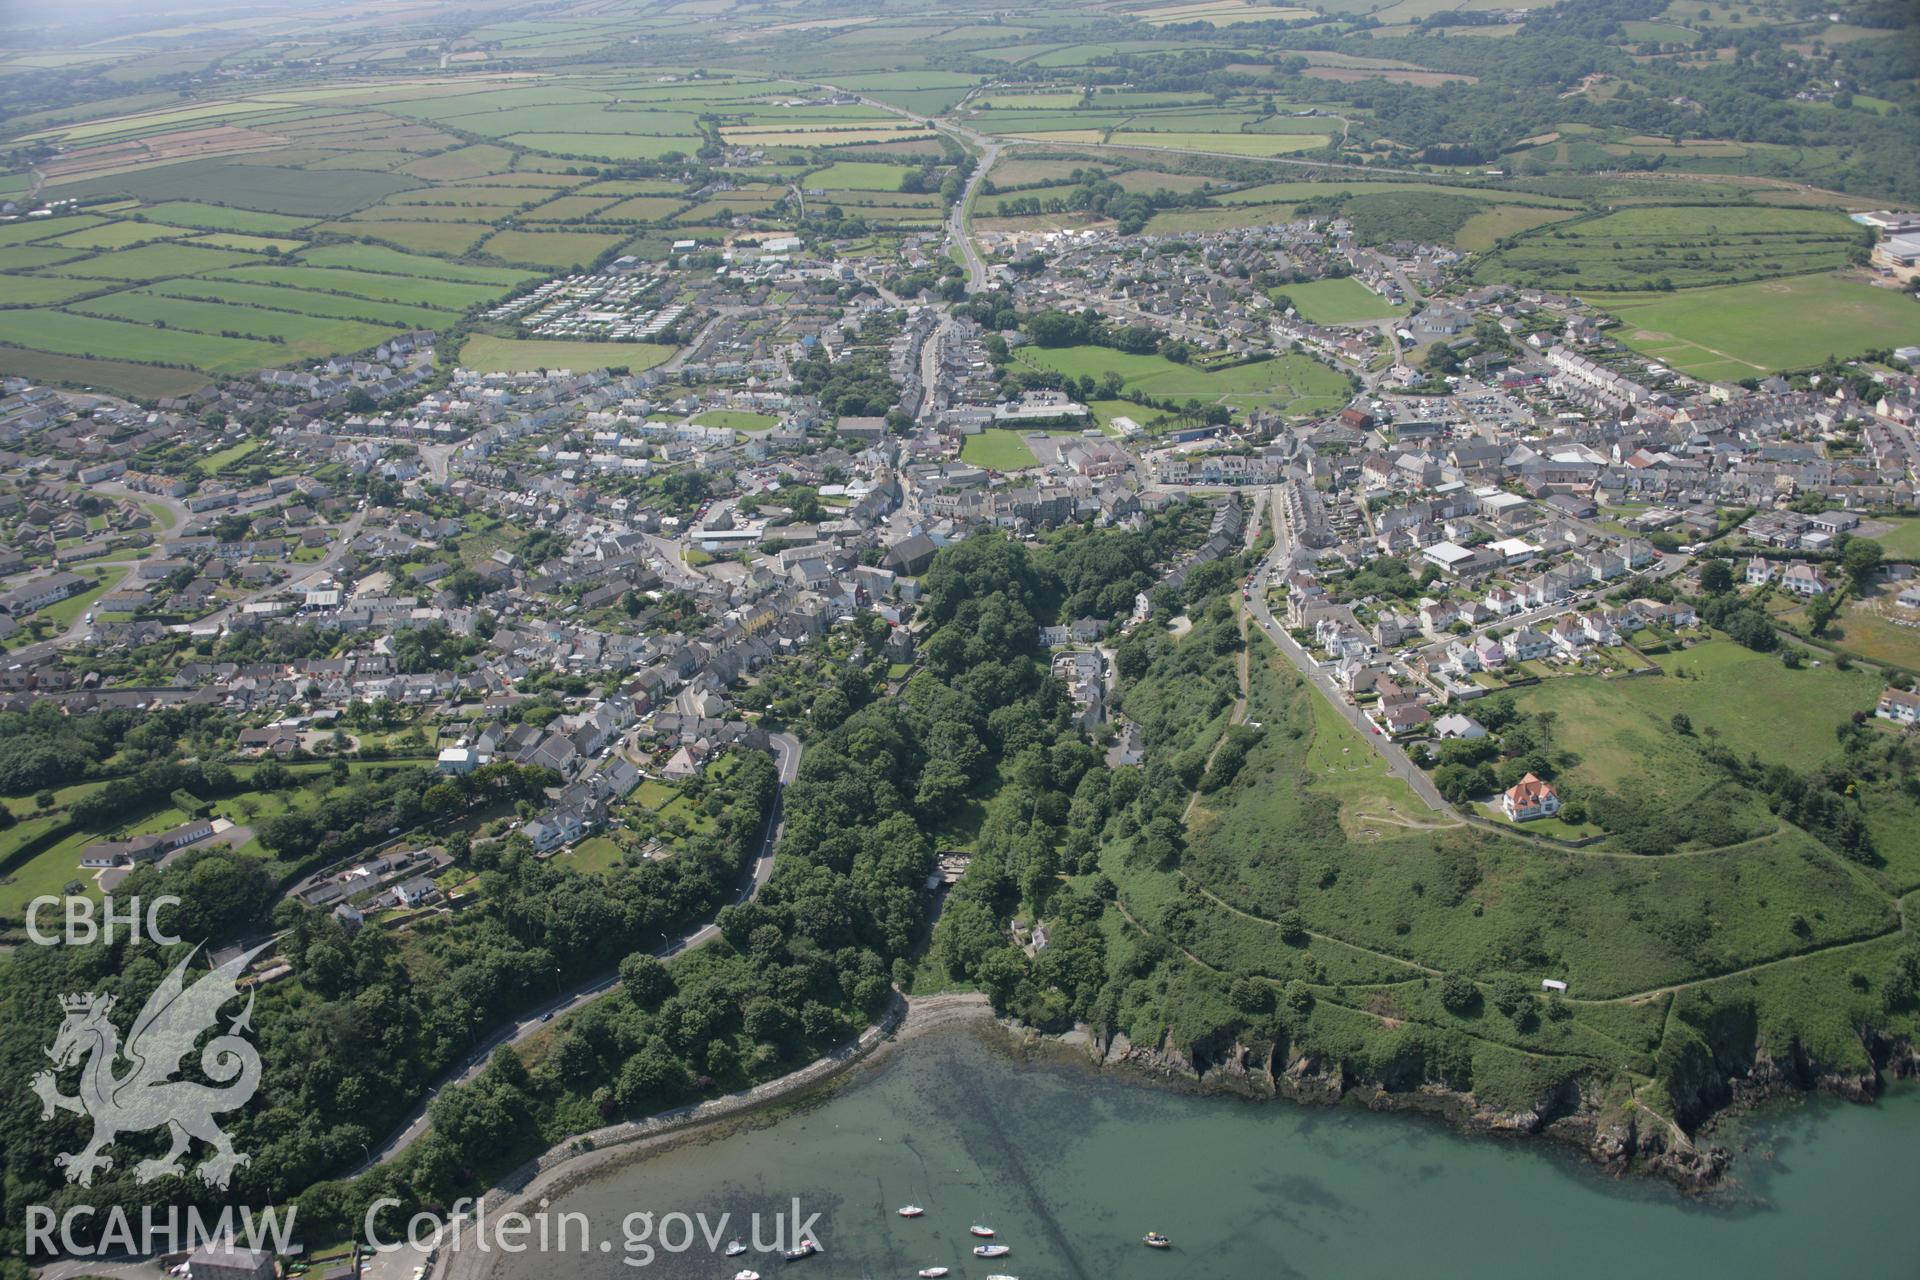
[137, 380]
[1293, 383]
[998, 449]
[369, 257]
[560, 250]
[301, 335]
[1746, 330]
[1685, 246]
[305, 302]
[512, 355]
[738, 419]
[859, 175]
[212, 217]
[418, 290]
[80, 335]
[1341, 301]
[1751, 700]
[151, 262]
[1315, 831]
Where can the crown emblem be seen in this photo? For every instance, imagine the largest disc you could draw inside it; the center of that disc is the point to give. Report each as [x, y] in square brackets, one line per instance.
[85, 1002]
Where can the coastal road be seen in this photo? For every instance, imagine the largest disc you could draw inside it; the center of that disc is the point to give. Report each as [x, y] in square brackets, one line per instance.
[786, 750]
[1398, 762]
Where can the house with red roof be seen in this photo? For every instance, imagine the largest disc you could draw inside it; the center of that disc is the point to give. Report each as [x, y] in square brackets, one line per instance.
[1530, 798]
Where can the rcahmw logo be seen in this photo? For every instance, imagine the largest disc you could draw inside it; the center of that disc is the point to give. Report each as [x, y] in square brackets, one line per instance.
[158, 1230]
[147, 1095]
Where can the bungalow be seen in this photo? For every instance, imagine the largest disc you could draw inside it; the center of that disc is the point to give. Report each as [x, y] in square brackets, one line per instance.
[148, 848]
[1899, 706]
[278, 739]
[1530, 798]
[1456, 725]
[1404, 717]
[1660, 613]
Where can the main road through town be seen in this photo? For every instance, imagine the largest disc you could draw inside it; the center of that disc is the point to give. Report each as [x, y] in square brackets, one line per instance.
[1397, 760]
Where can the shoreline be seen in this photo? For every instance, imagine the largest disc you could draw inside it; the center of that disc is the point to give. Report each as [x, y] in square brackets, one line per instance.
[1609, 1143]
[1616, 1141]
[584, 1156]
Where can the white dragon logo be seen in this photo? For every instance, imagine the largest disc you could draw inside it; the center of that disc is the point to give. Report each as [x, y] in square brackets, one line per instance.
[147, 1096]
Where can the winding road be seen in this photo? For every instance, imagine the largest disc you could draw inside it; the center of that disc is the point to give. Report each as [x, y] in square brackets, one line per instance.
[786, 750]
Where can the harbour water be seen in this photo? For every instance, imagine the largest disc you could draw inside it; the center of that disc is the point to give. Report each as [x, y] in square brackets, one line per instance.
[1070, 1166]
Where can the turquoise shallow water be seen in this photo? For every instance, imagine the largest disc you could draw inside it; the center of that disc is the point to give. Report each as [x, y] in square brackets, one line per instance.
[1070, 1166]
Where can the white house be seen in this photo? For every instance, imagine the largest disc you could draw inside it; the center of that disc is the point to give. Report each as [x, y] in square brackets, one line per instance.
[1530, 798]
[1899, 706]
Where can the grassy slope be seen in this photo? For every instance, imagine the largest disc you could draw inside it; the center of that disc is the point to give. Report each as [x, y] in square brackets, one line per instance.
[1310, 827]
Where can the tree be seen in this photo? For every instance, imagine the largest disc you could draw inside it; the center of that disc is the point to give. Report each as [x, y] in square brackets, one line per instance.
[1683, 724]
[1716, 577]
[646, 981]
[1861, 560]
[1458, 993]
[1512, 997]
[1292, 925]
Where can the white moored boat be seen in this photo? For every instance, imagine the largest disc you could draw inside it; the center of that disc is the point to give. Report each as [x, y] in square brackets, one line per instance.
[932, 1273]
[978, 1230]
[992, 1250]
[911, 1211]
[746, 1275]
[735, 1248]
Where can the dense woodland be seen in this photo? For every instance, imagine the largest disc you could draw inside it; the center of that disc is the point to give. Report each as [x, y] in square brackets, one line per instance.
[373, 1017]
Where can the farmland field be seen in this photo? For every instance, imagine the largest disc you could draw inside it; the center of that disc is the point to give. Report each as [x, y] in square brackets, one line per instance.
[1741, 330]
[1683, 246]
[368, 284]
[304, 302]
[120, 375]
[79, 335]
[302, 335]
[859, 175]
[557, 249]
[218, 218]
